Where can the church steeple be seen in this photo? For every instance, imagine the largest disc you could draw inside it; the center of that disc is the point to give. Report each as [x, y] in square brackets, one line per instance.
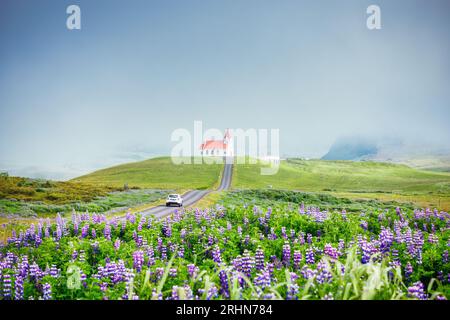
[227, 136]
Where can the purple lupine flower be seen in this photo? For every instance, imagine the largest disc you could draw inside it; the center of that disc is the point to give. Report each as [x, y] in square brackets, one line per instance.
[224, 288]
[46, 291]
[297, 259]
[163, 253]
[175, 295]
[23, 267]
[212, 292]
[408, 270]
[159, 273]
[364, 225]
[155, 295]
[54, 272]
[259, 259]
[293, 288]
[309, 238]
[263, 279]
[151, 256]
[82, 256]
[331, 252]
[95, 247]
[84, 231]
[173, 272]
[18, 287]
[216, 255]
[166, 229]
[308, 273]
[93, 233]
[310, 256]
[247, 263]
[417, 291]
[283, 232]
[181, 251]
[367, 249]
[117, 244]
[107, 232]
[7, 286]
[445, 256]
[193, 270]
[138, 260]
[286, 254]
[324, 275]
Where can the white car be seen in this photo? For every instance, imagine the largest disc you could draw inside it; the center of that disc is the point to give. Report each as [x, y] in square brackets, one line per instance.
[174, 199]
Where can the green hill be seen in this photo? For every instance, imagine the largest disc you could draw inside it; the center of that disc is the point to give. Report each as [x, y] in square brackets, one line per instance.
[370, 180]
[158, 173]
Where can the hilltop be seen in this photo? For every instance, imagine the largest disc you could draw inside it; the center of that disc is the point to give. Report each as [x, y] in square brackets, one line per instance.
[157, 173]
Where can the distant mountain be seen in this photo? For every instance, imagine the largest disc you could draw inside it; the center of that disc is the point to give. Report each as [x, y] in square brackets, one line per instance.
[351, 148]
[418, 155]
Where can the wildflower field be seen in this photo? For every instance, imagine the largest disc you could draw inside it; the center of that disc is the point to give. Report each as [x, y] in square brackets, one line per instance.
[293, 246]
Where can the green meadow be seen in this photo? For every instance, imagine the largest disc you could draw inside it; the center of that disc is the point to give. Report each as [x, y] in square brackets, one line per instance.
[355, 180]
[157, 173]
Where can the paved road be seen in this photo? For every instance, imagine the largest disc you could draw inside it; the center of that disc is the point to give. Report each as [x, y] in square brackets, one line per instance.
[193, 196]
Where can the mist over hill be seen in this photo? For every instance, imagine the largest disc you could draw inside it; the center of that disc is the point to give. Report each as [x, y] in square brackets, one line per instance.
[414, 154]
[351, 148]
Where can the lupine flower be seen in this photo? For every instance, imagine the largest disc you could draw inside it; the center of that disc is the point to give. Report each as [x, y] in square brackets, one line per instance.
[224, 288]
[286, 254]
[308, 273]
[216, 255]
[417, 291]
[297, 259]
[84, 231]
[324, 275]
[6, 286]
[138, 260]
[263, 279]
[247, 263]
[193, 270]
[310, 256]
[330, 251]
[173, 272]
[107, 232]
[54, 272]
[408, 270]
[18, 286]
[212, 292]
[259, 259]
[445, 256]
[46, 291]
[293, 288]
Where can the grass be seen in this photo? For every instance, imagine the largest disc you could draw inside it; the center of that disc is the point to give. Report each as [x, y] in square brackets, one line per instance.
[49, 192]
[357, 180]
[156, 173]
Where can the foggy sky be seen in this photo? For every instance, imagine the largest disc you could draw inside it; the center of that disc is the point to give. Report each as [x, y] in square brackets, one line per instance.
[75, 101]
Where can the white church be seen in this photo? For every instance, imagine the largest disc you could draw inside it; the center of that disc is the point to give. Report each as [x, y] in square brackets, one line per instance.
[218, 148]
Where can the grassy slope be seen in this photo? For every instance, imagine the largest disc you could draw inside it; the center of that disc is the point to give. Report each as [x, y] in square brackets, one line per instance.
[366, 180]
[158, 173]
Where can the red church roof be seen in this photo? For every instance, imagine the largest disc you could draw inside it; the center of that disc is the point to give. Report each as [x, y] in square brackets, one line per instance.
[213, 144]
